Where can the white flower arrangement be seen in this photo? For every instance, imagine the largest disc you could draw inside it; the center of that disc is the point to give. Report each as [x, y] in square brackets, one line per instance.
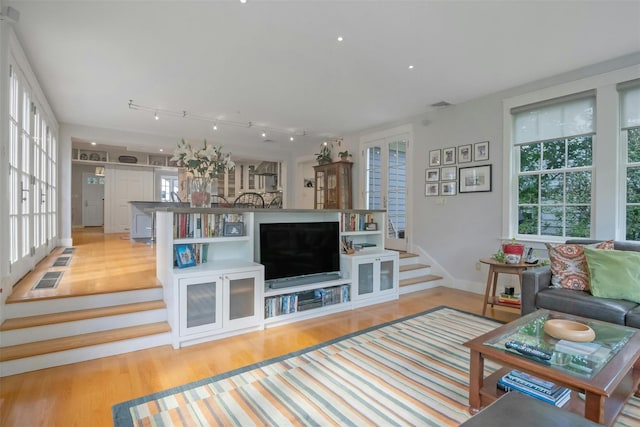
[208, 162]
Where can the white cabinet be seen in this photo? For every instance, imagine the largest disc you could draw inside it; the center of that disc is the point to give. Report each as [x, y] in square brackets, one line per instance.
[220, 301]
[374, 276]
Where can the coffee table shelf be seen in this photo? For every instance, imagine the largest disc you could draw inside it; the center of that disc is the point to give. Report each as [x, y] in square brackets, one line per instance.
[605, 393]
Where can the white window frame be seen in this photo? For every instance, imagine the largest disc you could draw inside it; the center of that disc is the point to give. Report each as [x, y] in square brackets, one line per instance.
[626, 165]
[607, 155]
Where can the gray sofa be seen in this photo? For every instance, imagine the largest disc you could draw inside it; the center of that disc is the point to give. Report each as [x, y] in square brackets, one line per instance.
[536, 293]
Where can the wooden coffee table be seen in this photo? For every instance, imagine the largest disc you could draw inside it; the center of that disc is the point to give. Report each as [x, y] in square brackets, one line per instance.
[611, 382]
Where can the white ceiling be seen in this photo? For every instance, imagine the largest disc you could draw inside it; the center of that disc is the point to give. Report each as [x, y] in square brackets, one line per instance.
[279, 64]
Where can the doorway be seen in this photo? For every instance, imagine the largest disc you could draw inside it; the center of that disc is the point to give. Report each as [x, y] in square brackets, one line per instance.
[386, 185]
[92, 200]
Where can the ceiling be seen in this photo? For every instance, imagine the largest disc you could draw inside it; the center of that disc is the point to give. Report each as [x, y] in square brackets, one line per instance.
[278, 64]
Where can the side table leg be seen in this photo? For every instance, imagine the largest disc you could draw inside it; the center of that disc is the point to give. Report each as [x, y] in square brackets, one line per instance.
[486, 291]
[493, 289]
[476, 378]
[594, 407]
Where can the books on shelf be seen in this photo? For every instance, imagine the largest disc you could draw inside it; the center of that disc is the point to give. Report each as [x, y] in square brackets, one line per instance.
[536, 387]
[190, 255]
[355, 221]
[197, 225]
[300, 301]
[509, 299]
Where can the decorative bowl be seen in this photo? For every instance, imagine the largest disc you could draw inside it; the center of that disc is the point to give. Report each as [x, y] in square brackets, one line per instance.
[569, 330]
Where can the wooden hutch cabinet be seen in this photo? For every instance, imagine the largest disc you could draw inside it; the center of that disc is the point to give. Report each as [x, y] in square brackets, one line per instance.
[333, 185]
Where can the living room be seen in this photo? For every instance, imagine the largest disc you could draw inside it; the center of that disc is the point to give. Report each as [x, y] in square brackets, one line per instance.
[441, 226]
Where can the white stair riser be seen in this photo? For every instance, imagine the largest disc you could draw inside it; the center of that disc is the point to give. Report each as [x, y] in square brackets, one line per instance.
[13, 367]
[409, 261]
[59, 305]
[410, 274]
[79, 327]
[420, 286]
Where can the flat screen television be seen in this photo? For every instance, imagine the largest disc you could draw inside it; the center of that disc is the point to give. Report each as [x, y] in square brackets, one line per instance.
[298, 249]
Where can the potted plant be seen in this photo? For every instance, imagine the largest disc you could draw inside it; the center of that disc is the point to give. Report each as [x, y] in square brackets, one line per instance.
[345, 155]
[324, 156]
[513, 251]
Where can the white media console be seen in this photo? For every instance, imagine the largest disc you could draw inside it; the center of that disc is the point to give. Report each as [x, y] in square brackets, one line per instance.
[225, 293]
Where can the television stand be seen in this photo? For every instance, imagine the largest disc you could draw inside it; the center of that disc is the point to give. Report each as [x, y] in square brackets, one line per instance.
[303, 280]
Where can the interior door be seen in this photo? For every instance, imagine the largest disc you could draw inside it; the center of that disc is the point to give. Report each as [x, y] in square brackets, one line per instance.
[386, 185]
[92, 200]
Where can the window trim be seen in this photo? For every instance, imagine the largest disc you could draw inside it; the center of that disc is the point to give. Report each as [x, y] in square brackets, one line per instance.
[605, 224]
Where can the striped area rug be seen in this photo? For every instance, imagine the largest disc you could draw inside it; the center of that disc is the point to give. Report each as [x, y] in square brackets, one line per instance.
[409, 372]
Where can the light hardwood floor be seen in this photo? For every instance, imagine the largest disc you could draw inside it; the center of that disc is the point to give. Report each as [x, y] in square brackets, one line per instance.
[82, 394]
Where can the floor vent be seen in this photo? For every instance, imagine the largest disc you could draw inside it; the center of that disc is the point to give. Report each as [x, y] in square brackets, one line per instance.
[61, 261]
[49, 280]
[68, 251]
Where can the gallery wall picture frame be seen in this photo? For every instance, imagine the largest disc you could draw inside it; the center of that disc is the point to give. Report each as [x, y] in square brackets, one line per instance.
[448, 188]
[185, 255]
[233, 229]
[449, 156]
[448, 173]
[431, 189]
[474, 179]
[481, 151]
[434, 157]
[465, 153]
[432, 175]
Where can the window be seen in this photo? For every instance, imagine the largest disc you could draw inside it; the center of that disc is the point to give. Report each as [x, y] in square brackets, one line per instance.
[553, 143]
[630, 127]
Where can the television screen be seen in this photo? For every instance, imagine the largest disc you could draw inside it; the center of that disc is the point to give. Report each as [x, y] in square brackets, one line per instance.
[299, 249]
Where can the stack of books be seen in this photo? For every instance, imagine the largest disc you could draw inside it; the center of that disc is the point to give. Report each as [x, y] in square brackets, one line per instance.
[509, 299]
[535, 387]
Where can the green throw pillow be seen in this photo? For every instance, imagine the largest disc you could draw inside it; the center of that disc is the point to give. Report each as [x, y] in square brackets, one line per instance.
[614, 274]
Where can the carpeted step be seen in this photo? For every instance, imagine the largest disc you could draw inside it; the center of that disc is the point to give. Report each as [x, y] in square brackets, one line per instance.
[420, 279]
[79, 341]
[71, 316]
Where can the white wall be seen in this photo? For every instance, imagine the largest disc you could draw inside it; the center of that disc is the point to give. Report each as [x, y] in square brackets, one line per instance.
[469, 226]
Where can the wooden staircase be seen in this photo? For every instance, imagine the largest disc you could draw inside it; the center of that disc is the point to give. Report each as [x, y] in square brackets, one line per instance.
[41, 333]
[414, 275]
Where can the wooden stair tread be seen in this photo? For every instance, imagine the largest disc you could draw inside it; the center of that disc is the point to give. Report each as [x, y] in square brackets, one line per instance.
[78, 341]
[410, 267]
[70, 316]
[407, 255]
[421, 279]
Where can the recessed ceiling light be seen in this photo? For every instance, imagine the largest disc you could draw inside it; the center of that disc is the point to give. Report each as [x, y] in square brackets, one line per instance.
[155, 116]
[411, 67]
[264, 134]
[161, 150]
[93, 143]
[243, 1]
[291, 138]
[340, 38]
[215, 127]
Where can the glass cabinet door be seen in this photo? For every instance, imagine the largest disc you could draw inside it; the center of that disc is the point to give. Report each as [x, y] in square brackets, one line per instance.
[200, 305]
[387, 269]
[241, 299]
[365, 278]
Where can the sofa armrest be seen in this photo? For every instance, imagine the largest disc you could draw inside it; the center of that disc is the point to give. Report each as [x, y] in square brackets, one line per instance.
[533, 280]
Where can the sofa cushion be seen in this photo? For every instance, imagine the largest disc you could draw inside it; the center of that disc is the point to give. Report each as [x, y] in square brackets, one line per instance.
[633, 318]
[569, 265]
[614, 274]
[584, 304]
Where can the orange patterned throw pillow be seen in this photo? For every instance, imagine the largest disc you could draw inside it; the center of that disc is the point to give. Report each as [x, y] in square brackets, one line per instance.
[569, 265]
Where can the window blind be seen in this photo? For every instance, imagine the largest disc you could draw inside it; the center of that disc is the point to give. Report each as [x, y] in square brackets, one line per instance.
[629, 104]
[562, 117]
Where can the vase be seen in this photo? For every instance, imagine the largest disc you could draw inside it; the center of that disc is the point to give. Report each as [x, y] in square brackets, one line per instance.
[512, 252]
[200, 192]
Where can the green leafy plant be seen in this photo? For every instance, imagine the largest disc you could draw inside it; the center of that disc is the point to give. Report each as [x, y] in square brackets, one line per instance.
[324, 156]
[345, 155]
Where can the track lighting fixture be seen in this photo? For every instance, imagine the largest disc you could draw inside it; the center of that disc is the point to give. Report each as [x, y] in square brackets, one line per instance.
[215, 121]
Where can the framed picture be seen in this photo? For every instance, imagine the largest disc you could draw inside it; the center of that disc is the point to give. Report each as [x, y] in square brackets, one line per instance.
[233, 229]
[448, 188]
[371, 226]
[185, 255]
[431, 175]
[431, 189]
[464, 153]
[449, 156]
[481, 151]
[449, 173]
[434, 157]
[475, 179]
[308, 183]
